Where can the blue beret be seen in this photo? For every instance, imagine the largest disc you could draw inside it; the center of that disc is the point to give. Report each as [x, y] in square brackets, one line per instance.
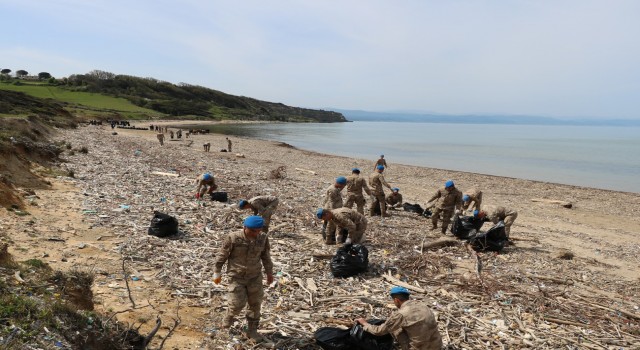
[466, 197]
[395, 189]
[399, 290]
[475, 213]
[382, 155]
[242, 203]
[380, 167]
[207, 176]
[254, 222]
[341, 180]
[319, 213]
[355, 170]
[449, 184]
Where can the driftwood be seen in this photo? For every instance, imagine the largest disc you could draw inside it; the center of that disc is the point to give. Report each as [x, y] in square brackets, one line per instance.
[308, 171]
[441, 243]
[397, 282]
[564, 204]
[164, 174]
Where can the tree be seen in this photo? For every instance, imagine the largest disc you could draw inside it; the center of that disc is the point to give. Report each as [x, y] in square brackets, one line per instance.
[44, 75]
[5, 71]
[21, 73]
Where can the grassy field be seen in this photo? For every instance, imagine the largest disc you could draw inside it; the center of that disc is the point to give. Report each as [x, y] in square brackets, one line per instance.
[92, 100]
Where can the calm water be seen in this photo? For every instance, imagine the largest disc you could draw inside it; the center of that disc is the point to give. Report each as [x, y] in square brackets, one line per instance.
[601, 157]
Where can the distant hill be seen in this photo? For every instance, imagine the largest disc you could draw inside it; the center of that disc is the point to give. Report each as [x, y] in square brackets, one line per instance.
[99, 94]
[358, 115]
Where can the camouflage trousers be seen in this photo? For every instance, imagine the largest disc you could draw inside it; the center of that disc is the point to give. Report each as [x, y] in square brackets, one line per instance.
[378, 201]
[508, 221]
[357, 236]
[447, 213]
[242, 292]
[357, 199]
[267, 213]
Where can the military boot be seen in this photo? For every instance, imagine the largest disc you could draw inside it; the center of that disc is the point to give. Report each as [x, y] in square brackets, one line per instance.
[252, 329]
[228, 321]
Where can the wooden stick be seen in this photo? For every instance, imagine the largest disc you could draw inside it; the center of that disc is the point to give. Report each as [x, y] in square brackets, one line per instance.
[397, 282]
[441, 243]
[565, 204]
[309, 171]
[570, 323]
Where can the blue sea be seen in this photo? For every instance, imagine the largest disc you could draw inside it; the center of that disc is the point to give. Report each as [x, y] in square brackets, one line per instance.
[606, 157]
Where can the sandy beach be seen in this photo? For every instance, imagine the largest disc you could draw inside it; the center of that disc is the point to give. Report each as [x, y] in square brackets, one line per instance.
[100, 217]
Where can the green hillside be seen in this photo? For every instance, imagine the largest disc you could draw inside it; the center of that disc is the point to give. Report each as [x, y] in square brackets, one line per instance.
[133, 97]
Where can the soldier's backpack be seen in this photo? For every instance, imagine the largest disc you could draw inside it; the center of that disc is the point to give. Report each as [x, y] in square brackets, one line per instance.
[493, 240]
[163, 225]
[219, 197]
[350, 260]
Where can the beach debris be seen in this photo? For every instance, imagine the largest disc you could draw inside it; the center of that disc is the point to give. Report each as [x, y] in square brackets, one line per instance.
[563, 204]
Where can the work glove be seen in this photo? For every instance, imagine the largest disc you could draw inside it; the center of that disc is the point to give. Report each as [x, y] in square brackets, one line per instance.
[217, 278]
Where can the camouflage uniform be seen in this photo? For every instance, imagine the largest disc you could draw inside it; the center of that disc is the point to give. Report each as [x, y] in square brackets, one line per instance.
[394, 199]
[475, 196]
[161, 139]
[352, 221]
[382, 162]
[355, 185]
[332, 200]
[228, 145]
[508, 216]
[264, 206]
[243, 258]
[447, 202]
[413, 325]
[207, 186]
[376, 181]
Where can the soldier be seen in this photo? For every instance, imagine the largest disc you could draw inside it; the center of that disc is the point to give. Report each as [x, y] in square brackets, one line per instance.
[332, 200]
[448, 199]
[413, 325]
[243, 252]
[171, 133]
[394, 199]
[355, 185]
[474, 196]
[228, 145]
[496, 214]
[207, 146]
[345, 219]
[376, 181]
[379, 162]
[263, 206]
[206, 183]
[160, 137]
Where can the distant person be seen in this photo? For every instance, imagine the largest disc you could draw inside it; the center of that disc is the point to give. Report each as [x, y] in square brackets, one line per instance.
[346, 220]
[380, 161]
[500, 213]
[394, 199]
[332, 200]
[414, 326]
[264, 206]
[171, 134]
[469, 196]
[377, 182]
[179, 134]
[206, 184]
[207, 146]
[229, 144]
[355, 186]
[245, 253]
[448, 199]
[160, 137]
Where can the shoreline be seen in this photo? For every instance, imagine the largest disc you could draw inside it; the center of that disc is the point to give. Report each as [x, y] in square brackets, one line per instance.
[416, 164]
[601, 230]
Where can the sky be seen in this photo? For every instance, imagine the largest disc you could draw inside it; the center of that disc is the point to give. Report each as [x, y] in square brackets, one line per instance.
[564, 59]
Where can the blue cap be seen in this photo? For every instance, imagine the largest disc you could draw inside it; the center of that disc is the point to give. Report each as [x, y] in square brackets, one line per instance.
[319, 213]
[475, 213]
[206, 176]
[399, 290]
[380, 167]
[254, 222]
[448, 184]
[242, 203]
[355, 170]
[466, 197]
[382, 155]
[341, 180]
[395, 189]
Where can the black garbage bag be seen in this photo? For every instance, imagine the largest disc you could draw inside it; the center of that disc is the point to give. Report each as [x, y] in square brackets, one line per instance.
[219, 196]
[330, 338]
[414, 208]
[493, 240]
[366, 341]
[466, 227]
[350, 260]
[163, 225]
